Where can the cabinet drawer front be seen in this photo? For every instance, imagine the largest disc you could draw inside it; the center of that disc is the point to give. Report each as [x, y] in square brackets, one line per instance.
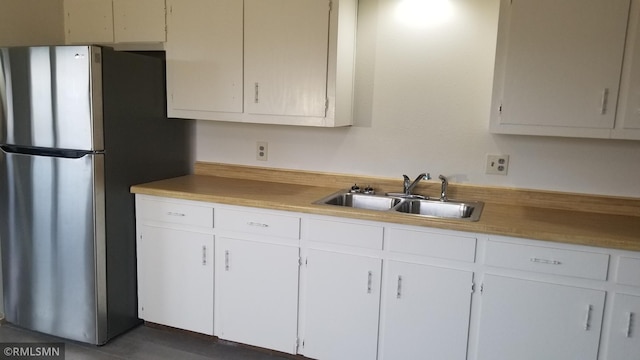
[177, 213]
[347, 234]
[547, 260]
[258, 223]
[452, 247]
[628, 271]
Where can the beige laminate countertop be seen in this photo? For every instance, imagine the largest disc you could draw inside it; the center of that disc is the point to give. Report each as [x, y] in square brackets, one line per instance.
[566, 226]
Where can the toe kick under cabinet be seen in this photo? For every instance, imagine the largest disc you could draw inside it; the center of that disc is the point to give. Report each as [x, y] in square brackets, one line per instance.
[331, 288]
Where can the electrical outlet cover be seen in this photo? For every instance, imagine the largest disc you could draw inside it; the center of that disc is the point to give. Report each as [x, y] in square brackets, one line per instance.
[497, 164]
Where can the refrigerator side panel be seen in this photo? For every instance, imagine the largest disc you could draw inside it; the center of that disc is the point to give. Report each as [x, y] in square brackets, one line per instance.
[50, 97]
[141, 145]
[47, 229]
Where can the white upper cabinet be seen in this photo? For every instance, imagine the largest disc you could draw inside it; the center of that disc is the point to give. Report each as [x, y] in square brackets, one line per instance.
[287, 68]
[139, 21]
[628, 116]
[204, 58]
[558, 67]
[262, 61]
[114, 21]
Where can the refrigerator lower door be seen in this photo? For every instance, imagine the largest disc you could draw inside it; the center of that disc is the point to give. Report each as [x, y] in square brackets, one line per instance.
[52, 233]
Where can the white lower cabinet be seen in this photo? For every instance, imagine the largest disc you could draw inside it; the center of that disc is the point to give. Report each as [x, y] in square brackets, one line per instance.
[257, 293]
[342, 306]
[331, 288]
[523, 319]
[426, 312]
[624, 333]
[175, 278]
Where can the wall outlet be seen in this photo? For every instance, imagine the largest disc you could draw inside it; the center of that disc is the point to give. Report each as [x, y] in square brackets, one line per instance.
[262, 150]
[497, 164]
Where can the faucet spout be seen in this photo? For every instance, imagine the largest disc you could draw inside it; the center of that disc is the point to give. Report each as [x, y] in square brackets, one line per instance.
[443, 188]
[408, 187]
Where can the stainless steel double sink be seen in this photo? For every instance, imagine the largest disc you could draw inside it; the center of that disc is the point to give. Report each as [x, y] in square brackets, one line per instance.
[413, 205]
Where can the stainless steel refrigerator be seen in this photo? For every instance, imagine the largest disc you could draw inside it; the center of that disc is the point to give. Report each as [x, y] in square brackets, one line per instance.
[78, 126]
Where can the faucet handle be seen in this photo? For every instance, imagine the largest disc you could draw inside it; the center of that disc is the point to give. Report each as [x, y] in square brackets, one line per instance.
[443, 188]
[407, 183]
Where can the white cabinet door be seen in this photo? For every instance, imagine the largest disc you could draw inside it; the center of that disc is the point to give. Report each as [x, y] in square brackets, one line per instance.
[114, 21]
[175, 278]
[624, 334]
[136, 21]
[628, 116]
[558, 66]
[257, 293]
[88, 21]
[286, 44]
[426, 312]
[204, 57]
[342, 306]
[522, 319]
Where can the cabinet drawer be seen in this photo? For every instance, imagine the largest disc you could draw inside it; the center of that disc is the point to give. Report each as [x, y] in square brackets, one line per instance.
[258, 223]
[547, 260]
[347, 234]
[628, 271]
[178, 213]
[442, 246]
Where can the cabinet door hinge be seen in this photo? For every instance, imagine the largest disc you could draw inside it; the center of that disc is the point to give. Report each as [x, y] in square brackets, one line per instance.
[330, 5]
[326, 106]
[481, 288]
[500, 109]
[473, 287]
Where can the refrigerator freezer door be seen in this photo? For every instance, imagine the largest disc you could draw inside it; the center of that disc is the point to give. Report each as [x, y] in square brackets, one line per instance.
[53, 244]
[50, 97]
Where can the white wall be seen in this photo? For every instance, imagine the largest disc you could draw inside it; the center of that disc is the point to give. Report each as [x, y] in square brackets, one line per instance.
[422, 104]
[31, 22]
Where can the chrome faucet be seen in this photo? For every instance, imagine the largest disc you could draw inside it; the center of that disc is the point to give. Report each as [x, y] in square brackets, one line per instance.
[408, 185]
[443, 188]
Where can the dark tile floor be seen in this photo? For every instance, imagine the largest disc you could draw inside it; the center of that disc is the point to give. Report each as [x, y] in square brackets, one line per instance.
[145, 343]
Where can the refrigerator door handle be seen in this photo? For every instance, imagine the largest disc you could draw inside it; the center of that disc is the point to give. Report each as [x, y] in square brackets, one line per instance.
[36, 151]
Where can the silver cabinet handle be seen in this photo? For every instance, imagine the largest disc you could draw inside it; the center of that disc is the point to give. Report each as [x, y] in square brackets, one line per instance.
[171, 213]
[226, 260]
[587, 318]
[252, 223]
[605, 99]
[204, 255]
[369, 282]
[256, 98]
[544, 261]
[630, 317]
[399, 289]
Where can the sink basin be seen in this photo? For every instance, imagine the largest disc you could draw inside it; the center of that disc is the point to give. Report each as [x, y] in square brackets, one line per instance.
[442, 209]
[361, 201]
[451, 209]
